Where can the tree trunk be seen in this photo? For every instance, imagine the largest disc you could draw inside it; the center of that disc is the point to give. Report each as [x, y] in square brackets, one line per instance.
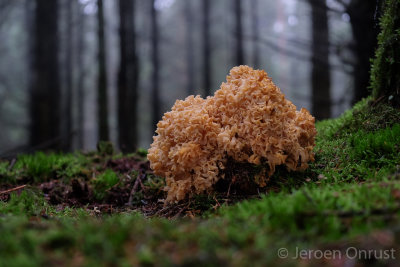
[127, 78]
[67, 136]
[206, 48]
[238, 33]
[320, 76]
[255, 33]
[365, 32]
[385, 73]
[156, 67]
[81, 75]
[189, 48]
[45, 85]
[102, 76]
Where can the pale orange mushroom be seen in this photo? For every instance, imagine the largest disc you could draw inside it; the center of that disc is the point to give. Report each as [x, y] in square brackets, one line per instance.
[247, 119]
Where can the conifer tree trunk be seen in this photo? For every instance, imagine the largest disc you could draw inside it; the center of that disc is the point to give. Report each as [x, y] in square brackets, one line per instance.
[365, 31]
[81, 75]
[102, 76]
[67, 136]
[206, 48]
[45, 84]
[156, 66]
[255, 33]
[127, 78]
[320, 74]
[238, 33]
[189, 48]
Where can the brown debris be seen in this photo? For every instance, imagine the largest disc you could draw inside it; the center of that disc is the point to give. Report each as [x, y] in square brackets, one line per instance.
[126, 165]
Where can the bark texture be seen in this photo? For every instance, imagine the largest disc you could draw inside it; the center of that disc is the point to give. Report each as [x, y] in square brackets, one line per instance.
[45, 84]
[127, 78]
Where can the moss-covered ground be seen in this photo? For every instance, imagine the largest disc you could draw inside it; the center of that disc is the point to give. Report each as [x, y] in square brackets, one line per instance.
[103, 209]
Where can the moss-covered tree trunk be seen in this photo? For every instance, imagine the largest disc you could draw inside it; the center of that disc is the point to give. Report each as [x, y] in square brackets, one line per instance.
[385, 73]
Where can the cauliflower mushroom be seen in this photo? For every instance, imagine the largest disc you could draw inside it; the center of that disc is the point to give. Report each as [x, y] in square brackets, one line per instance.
[248, 120]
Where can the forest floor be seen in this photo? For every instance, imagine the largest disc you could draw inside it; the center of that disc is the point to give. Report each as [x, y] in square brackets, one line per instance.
[107, 209]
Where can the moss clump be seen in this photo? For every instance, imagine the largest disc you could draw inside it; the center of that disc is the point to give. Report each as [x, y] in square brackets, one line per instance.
[105, 148]
[41, 167]
[385, 73]
[379, 148]
[30, 202]
[367, 115]
[104, 182]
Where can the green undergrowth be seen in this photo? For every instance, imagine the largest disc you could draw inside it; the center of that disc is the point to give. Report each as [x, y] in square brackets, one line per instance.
[351, 193]
[40, 167]
[105, 181]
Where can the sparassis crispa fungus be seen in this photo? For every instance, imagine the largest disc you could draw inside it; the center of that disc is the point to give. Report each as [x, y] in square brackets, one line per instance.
[248, 120]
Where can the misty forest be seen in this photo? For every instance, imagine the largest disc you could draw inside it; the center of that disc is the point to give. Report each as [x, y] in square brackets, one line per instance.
[199, 132]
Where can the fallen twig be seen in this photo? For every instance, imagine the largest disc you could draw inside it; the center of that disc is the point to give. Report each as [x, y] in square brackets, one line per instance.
[135, 187]
[12, 189]
[376, 101]
[169, 209]
[180, 211]
[12, 163]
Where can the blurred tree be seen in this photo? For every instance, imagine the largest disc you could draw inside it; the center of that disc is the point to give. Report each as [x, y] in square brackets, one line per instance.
[365, 31]
[102, 76]
[156, 66]
[189, 47]
[320, 76]
[255, 34]
[363, 21]
[5, 6]
[67, 136]
[45, 85]
[385, 73]
[127, 78]
[239, 58]
[206, 48]
[80, 47]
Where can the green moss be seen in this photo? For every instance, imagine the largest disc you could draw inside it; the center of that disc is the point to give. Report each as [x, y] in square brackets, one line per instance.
[104, 182]
[385, 72]
[29, 202]
[381, 147]
[362, 144]
[3, 167]
[142, 152]
[105, 148]
[40, 167]
[366, 115]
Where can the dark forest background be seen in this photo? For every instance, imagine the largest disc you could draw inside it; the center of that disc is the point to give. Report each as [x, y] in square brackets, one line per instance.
[73, 72]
